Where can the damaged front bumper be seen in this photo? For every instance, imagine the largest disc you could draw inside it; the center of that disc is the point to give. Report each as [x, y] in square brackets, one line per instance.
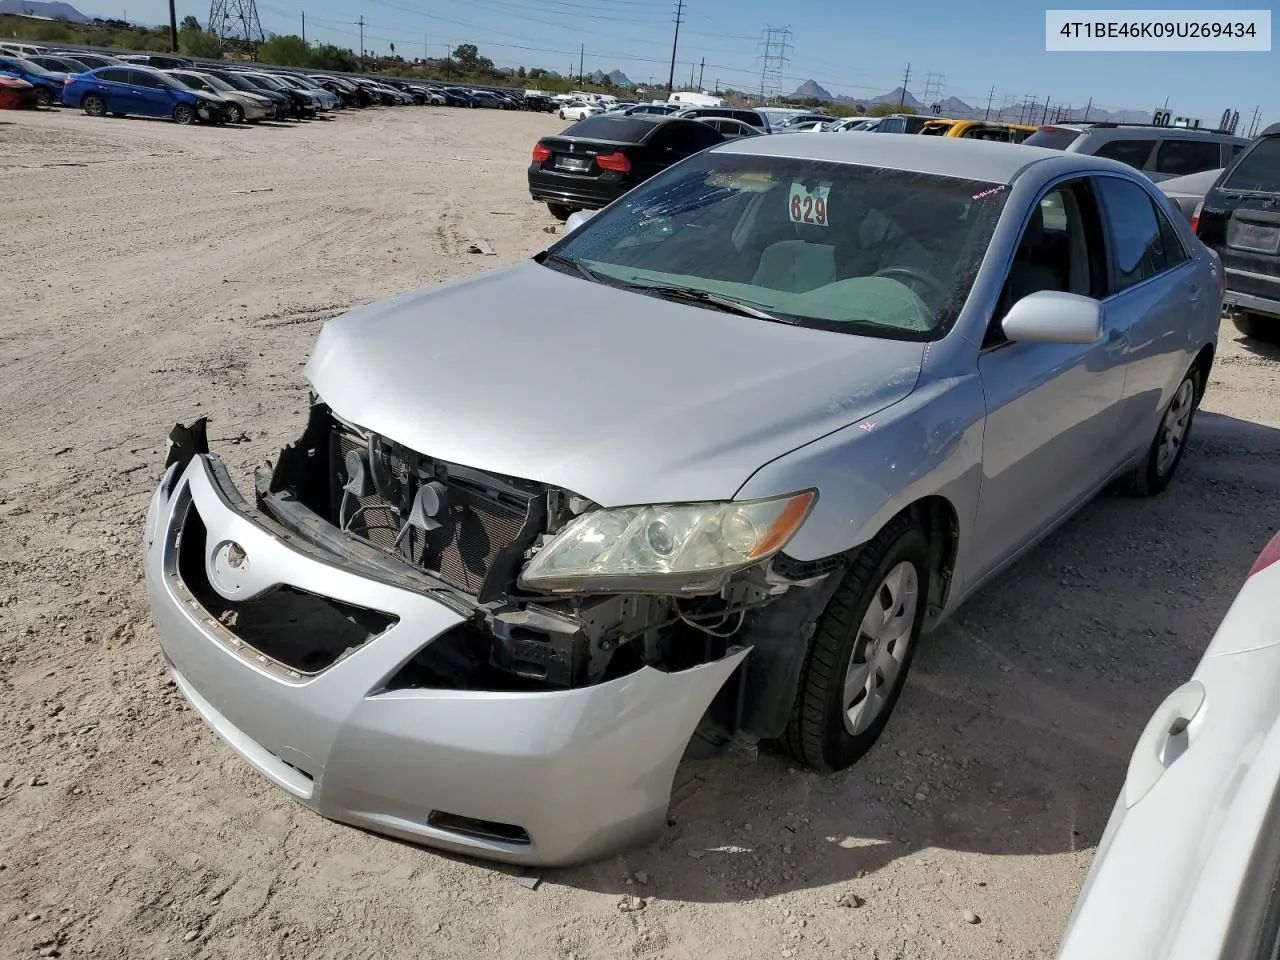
[545, 777]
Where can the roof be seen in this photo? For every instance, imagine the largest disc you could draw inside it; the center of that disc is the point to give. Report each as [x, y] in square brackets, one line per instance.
[984, 160]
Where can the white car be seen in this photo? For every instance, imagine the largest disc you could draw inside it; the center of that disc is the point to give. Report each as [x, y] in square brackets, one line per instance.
[1188, 864]
[578, 109]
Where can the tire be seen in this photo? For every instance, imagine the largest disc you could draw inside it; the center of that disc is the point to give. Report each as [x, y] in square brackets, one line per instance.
[562, 116]
[94, 105]
[1157, 468]
[560, 211]
[43, 97]
[1257, 326]
[887, 587]
[235, 113]
[184, 113]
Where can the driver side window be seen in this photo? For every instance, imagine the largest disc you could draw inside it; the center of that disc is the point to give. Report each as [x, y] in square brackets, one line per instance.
[1060, 249]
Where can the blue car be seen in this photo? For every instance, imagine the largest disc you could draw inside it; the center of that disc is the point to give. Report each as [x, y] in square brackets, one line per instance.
[141, 91]
[48, 83]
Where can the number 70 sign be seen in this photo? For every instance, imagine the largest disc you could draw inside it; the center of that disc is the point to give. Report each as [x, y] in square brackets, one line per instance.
[809, 205]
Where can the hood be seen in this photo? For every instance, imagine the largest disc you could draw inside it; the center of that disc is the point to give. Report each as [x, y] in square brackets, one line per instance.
[617, 396]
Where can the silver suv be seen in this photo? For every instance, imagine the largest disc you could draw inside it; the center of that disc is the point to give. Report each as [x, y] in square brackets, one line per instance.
[1160, 152]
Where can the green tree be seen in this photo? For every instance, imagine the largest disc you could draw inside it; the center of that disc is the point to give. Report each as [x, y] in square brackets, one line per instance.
[55, 31]
[887, 109]
[286, 51]
[189, 23]
[328, 57]
[468, 57]
[199, 43]
[520, 72]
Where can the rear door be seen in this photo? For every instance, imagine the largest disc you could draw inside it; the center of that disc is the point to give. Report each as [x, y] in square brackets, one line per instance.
[1156, 293]
[117, 94]
[1241, 221]
[150, 95]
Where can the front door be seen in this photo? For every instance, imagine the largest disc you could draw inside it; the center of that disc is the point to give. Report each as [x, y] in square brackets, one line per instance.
[151, 95]
[1051, 408]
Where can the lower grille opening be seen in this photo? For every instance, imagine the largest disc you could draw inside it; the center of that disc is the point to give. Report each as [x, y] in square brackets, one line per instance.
[301, 630]
[480, 829]
[461, 659]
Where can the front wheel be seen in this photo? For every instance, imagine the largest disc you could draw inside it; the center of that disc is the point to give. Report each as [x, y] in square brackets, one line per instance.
[43, 97]
[860, 653]
[94, 105]
[1155, 471]
[235, 113]
[183, 114]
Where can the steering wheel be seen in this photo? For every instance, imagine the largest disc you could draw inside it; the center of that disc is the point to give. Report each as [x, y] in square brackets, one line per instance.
[911, 273]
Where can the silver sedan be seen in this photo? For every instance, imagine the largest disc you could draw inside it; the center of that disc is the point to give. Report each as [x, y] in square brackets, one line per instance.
[701, 473]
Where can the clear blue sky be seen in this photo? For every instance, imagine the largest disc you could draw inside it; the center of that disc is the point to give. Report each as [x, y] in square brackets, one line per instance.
[855, 50]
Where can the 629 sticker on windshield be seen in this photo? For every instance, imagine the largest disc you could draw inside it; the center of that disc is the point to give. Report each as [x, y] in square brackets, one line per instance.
[810, 205]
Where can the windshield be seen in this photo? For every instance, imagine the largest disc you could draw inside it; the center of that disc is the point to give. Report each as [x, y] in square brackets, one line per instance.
[1259, 169]
[834, 246]
[267, 83]
[216, 83]
[1052, 139]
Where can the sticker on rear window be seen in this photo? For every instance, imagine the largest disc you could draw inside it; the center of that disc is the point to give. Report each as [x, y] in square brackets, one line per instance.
[809, 204]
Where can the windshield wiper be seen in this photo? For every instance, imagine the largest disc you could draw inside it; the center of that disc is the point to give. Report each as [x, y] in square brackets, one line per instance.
[727, 304]
[585, 271]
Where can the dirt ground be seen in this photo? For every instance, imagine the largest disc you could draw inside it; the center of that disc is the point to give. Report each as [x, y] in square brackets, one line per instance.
[151, 273]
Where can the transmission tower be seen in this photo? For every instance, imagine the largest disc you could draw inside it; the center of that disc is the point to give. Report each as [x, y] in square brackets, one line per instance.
[235, 23]
[775, 54]
[932, 90]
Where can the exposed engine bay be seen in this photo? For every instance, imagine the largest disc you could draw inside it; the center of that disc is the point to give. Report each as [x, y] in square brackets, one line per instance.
[466, 535]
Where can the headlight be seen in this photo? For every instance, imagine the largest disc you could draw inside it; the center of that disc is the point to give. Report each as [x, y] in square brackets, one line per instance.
[674, 547]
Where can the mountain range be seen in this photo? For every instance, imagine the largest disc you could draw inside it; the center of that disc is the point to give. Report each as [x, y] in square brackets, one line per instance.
[956, 108]
[40, 8]
[616, 76]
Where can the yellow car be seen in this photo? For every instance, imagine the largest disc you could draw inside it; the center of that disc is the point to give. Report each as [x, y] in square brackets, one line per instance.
[979, 130]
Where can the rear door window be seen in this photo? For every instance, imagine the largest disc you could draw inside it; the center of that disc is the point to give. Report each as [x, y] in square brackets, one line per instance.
[114, 75]
[1259, 169]
[1132, 152]
[1138, 238]
[1177, 158]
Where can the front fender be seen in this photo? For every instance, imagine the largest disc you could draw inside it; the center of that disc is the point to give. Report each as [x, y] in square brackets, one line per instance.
[927, 444]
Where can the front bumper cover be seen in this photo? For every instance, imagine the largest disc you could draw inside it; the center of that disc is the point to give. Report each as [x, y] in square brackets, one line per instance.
[582, 772]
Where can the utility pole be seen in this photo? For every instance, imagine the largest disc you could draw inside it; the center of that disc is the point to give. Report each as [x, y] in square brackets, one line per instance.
[1044, 117]
[173, 27]
[304, 26]
[360, 24]
[700, 69]
[990, 96]
[691, 76]
[905, 77]
[675, 41]
[717, 89]
[1031, 111]
[582, 52]
[1086, 109]
[1253, 123]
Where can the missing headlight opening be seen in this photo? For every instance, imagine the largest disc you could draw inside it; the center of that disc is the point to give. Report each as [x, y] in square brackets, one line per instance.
[470, 535]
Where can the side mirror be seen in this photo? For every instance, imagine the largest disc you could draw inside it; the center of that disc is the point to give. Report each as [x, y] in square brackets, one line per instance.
[577, 219]
[1051, 316]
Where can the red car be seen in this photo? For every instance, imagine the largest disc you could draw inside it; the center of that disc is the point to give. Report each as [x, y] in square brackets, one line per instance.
[16, 93]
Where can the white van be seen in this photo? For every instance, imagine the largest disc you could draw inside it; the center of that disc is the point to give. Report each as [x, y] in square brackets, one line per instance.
[690, 99]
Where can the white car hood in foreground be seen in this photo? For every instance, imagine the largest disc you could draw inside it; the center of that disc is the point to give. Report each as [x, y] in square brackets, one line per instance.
[617, 396]
[1172, 861]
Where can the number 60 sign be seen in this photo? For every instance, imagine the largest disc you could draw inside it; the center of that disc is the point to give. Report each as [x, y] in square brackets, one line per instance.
[809, 205]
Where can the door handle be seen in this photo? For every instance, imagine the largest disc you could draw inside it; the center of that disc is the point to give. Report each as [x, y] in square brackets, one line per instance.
[1195, 291]
[1168, 735]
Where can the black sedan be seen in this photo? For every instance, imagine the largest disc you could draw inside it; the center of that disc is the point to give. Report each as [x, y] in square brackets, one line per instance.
[599, 158]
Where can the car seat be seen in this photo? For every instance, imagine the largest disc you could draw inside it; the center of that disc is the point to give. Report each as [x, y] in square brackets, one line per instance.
[798, 265]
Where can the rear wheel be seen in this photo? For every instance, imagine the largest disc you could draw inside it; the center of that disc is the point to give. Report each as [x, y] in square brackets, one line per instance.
[94, 105]
[861, 650]
[560, 211]
[1257, 326]
[1155, 471]
[235, 113]
[184, 114]
[43, 97]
